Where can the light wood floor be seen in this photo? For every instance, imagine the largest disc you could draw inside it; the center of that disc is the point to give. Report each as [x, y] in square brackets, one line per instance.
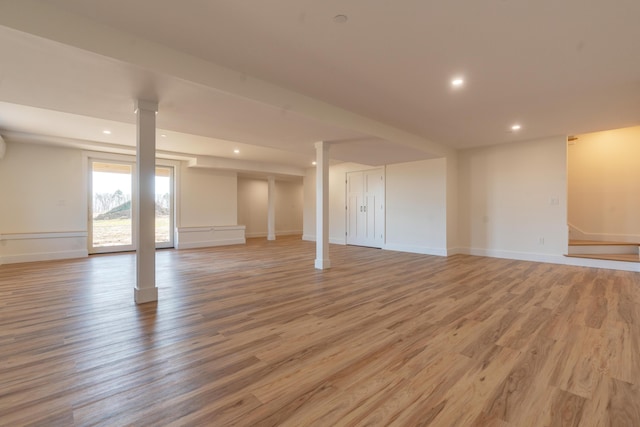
[254, 336]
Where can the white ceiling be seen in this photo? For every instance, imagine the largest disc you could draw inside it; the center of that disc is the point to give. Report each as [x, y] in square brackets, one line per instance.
[274, 77]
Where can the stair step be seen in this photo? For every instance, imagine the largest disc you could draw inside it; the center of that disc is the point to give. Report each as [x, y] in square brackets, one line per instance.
[609, 257]
[600, 243]
[598, 249]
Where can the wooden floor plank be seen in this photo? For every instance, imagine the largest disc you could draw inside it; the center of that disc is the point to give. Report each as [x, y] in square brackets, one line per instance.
[253, 335]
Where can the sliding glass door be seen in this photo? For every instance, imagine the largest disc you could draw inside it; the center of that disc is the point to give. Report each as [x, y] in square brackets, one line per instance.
[112, 207]
[111, 219]
[164, 207]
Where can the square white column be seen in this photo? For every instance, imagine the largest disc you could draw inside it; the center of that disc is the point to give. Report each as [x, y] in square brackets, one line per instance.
[145, 212]
[322, 206]
[271, 211]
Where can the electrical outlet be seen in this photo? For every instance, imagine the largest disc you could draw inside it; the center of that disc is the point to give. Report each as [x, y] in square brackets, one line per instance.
[541, 240]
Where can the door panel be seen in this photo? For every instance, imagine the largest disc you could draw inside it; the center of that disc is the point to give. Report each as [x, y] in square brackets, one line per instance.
[111, 224]
[365, 208]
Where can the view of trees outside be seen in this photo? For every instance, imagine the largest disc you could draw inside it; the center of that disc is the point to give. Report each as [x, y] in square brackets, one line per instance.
[112, 222]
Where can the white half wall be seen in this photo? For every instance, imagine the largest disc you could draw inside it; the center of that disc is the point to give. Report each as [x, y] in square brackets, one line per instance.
[207, 210]
[604, 185]
[205, 237]
[512, 200]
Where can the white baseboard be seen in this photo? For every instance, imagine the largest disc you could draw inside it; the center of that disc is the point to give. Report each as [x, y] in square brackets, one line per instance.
[278, 233]
[42, 246]
[332, 240]
[211, 243]
[424, 250]
[208, 236]
[43, 256]
[455, 251]
[255, 235]
[553, 259]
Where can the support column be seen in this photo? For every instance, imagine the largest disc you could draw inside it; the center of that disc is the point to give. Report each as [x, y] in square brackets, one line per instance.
[322, 206]
[271, 212]
[145, 214]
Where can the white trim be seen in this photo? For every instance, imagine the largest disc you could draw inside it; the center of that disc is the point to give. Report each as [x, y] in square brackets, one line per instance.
[193, 229]
[211, 243]
[332, 240]
[209, 228]
[578, 234]
[145, 295]
[424, 250]
[455, 251]
[45, 235]
[43, 256]
[553, 259]
[257, 234]
[278, 233]
[43, 246]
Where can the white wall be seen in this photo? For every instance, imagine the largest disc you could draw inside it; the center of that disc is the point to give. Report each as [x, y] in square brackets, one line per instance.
[452, 204]
[253, 199]
[43, 207]
[512, 200]
[417, 207]
[309, 204]
[604, 185]
[207, 197]
[52, 178]
[289, 201]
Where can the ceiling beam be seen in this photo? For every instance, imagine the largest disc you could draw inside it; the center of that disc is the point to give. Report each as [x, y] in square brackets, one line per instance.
[46, 21]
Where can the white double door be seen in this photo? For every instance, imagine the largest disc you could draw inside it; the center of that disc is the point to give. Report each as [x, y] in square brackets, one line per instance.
[366, 208]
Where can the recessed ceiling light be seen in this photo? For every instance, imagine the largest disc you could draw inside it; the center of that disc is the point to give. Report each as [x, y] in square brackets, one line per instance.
[236, 151]
[340, 19]
[163, 135]
[516, 127]
[313, 163]
[106, 132]
[457, 82]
